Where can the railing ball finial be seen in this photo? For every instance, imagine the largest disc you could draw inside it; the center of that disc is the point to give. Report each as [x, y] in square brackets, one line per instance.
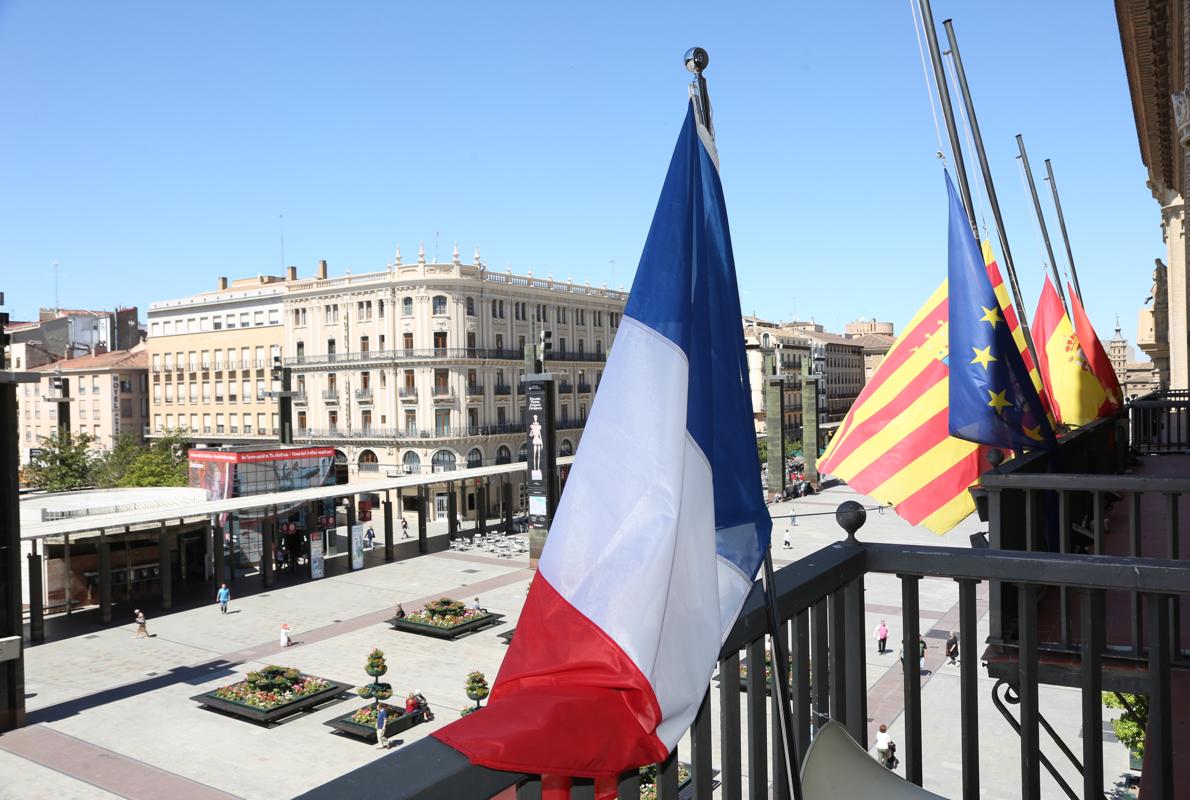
[851, 516]
[995, 458]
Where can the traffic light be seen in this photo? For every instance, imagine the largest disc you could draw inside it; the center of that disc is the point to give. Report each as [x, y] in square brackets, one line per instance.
[547, 344]
[277, 367]
[56, 383]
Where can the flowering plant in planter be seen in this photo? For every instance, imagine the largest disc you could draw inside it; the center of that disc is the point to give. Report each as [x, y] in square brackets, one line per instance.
[367, 714]
[375, 690]
[445, 617]
[271, 687]
[444, 607]
[477, 690]
[648, 779]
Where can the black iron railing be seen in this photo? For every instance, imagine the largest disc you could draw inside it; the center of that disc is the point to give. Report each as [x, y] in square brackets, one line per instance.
[820, 601]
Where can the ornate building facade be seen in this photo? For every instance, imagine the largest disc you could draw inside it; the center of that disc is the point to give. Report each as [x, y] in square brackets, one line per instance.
[418, 368]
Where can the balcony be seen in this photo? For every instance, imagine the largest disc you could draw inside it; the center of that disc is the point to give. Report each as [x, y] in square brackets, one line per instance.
[502, 389]
[1086, 588]
[475, 390]
[443, 394]
[584, 388]
[565, 387]
[363, 396]
[405, 354]
[572, 356]
[408, 394]
[330, 396]
[299, 399]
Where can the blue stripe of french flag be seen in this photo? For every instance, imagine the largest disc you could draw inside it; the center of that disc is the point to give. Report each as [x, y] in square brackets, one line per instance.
[662, 527]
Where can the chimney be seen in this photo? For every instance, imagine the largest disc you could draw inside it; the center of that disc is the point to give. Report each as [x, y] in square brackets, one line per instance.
[322, 270]
[222, 284]
[291, 273]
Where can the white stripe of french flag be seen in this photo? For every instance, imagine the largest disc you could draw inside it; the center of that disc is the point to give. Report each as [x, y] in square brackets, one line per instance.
[662, 526]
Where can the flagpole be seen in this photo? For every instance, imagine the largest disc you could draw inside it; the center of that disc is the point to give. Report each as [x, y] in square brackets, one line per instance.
[1045, 234]
[994, 201]
[1049, 170]
[952, 132]
[696, 60]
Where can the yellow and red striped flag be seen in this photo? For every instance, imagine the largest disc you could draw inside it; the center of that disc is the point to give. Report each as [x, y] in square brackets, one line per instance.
[894, 444]
[1075, 392]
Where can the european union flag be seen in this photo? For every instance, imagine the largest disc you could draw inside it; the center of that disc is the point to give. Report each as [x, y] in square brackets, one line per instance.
[992, 399]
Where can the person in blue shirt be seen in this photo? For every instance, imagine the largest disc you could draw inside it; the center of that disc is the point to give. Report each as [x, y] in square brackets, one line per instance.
[381, 724]
[223, 596]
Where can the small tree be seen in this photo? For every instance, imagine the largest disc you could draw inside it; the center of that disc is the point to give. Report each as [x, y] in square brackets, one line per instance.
[65, 462]
[112, 465]
[1130, 726]
[161, 463]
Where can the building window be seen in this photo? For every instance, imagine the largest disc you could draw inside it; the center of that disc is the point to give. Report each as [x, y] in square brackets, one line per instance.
[442, 422]
[443, 461]
[407, 341]
[503, 455]
[523, 455]
[566, 448]
[439, 304]
[474, 458]
[471, 306]
[411, 423]
[411, 462]
[407, 311]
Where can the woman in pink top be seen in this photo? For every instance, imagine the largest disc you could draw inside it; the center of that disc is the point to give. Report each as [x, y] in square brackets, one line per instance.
[881, 634]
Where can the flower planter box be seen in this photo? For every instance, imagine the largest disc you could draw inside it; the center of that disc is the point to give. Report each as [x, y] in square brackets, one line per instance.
[333, 693]
[453, 632]
[397, 724]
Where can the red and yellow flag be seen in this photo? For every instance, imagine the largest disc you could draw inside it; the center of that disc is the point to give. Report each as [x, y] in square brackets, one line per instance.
[1074, 391]
[1096, 355]
[894, 444]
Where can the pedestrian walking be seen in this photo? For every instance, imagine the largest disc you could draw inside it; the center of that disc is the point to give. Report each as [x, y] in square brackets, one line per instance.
[381, 724]
[223, 596]
[404, 528]
[881, 634]
[884, 745]
[369, 537]
[788, 541]
[792, 518]
[921, 644]
[952, 648]
[141, 629]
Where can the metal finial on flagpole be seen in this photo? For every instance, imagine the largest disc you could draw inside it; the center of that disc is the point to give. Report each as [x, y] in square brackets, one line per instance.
[696, 60]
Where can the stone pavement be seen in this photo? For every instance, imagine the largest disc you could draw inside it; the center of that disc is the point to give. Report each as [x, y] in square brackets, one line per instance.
[111, 716]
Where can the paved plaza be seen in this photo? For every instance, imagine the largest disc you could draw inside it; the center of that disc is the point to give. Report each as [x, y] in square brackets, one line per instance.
[111, 716]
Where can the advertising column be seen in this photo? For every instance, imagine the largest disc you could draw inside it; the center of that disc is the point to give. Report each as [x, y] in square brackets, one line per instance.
[542, 475]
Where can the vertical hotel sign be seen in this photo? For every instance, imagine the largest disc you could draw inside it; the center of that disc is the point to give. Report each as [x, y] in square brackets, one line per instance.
[541, 471]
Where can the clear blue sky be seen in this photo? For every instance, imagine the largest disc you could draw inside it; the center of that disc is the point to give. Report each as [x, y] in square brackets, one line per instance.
[151, 147]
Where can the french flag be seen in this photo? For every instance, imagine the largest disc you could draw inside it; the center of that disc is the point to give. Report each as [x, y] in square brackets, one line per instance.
[662, 526]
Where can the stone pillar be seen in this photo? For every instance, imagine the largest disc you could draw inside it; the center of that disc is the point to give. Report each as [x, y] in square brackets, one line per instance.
[1173, 218]
[36, 599]
[389, 555]
[452, 511]
[268, 526]
[423, 510]
[217, 544]
[163, 568]
[506, 489]
[481, 506]
[105, 580]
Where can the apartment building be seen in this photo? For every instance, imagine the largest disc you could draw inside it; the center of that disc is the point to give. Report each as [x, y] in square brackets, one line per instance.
[418, 368]
[104, 395]
[785, 351]
[839, 362]
[210, 361]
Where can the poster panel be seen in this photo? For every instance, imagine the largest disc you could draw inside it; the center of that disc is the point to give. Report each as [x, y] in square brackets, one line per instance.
[317, 567]
[357, 546]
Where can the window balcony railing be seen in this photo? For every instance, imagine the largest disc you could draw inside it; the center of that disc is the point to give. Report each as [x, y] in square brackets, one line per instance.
[363, 395]
[299, 399]
[475, 390]
[369, 466]
[408, 393]
[330, 396]
[405, 354]
[408, 434]
[584, 388]
[502, 389]
[572, 356]
[820, 600]
[443, 393]
[565, 387]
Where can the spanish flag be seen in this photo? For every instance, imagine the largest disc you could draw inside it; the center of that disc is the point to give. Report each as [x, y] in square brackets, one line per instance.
[1076, 394]
[1096, 355]
[894, 444]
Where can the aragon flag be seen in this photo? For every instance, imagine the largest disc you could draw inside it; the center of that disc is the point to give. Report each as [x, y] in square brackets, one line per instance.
[1077, 394]
[662, 527]
[1096, 356]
